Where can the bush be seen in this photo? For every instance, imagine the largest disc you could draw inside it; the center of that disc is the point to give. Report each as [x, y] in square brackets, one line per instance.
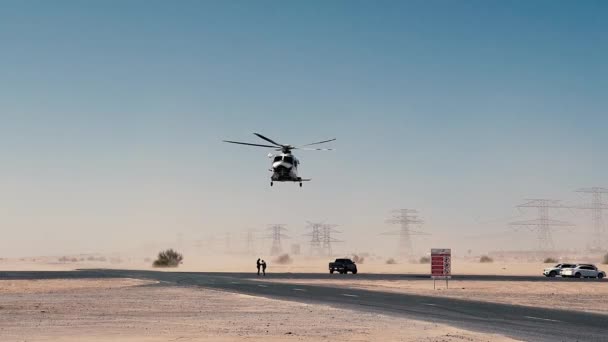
[359, 259]
[283, 259]
[550, 260]
[391, 261]
[425, 260]
[485, 259]
[168, 258]
[605, 261]
[92, 258]
[67, 259]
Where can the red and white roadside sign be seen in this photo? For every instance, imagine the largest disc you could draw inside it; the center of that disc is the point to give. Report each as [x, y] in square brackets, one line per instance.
[441, 263]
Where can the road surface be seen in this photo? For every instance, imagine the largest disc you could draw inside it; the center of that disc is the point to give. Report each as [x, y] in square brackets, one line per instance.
[520, 322]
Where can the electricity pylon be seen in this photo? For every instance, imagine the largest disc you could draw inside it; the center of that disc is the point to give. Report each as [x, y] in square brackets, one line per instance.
[315, 237]
[277, 235]
[597, 206]
[326, 239]
[543, 223]
[321, 238]
[406, 218]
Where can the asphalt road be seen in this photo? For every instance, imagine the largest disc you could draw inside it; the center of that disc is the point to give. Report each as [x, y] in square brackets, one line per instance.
[525, 323]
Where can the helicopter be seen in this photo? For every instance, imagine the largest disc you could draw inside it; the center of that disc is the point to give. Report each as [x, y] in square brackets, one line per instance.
[284, 165]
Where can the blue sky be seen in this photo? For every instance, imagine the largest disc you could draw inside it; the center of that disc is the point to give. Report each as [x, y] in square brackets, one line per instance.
[113, 114]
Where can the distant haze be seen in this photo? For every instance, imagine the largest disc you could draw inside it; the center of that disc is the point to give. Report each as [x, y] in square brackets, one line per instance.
[113, 115]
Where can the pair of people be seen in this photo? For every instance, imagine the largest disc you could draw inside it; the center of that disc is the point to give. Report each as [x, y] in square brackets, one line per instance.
[261, 264]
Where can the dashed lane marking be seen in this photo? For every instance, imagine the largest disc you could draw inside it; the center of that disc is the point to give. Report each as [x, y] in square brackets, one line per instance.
[299, 290]
[542, 319]
[262, 286]
[429, 304]
[349, 295]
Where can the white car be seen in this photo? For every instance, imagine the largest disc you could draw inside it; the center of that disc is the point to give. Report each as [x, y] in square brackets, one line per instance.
[556, 270]
[583, 271]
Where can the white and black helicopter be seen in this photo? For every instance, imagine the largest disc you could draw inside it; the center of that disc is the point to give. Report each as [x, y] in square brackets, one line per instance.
[284, 165]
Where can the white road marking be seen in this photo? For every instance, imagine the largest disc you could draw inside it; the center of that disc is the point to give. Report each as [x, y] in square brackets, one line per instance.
[262, 286]
[299, 290]
[429, 304]
[349, 295]
[542, 319]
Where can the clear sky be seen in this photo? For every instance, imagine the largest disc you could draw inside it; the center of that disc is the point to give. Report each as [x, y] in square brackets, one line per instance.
[112, 115]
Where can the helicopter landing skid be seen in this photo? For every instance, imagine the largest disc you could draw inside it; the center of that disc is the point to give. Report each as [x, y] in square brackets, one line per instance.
[300, 180]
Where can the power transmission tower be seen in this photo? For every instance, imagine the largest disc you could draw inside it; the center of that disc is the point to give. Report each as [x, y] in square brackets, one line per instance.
[406, 218]
[315, 237]
[321, 238]
[597, 206]
[277, 235]
[326, 239]
[544, 224]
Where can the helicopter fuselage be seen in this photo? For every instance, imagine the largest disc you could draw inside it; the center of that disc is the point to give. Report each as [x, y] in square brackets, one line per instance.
[285, 168]
[284, 165]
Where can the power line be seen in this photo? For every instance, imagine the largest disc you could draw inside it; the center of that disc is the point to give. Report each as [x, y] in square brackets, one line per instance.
[543, 223]
[277, 236]
[327, 240]
[406, 218]
[315, 237]
[321, 239]
[597, 206]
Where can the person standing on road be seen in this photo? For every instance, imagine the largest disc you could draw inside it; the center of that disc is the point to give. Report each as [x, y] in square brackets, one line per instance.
[264, 267]
[258, 264]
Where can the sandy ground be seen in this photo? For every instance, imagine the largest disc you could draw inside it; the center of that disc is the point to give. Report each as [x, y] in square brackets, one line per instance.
[588, 296]
[118, 310]
[300, 264]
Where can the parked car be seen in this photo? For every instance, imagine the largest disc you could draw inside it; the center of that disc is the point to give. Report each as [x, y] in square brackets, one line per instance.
[556, 270]
[343, 266]
[583, 271]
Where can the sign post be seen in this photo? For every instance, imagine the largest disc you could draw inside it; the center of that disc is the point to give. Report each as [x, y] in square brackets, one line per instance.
[441, 264]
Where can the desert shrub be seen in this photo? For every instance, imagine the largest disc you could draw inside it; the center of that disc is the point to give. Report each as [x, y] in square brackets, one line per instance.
[168, 258]
[67, 259]
[425, 260]
[359, 259]
[94, 258]
[485, 259]
[283, 259]
[605, 260]
[391, 261]
[550, 260]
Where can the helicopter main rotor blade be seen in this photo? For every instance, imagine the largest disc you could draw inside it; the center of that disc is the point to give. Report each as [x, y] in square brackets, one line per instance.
[314, 149]
[267, 139]
[243, 143]
[320, 142]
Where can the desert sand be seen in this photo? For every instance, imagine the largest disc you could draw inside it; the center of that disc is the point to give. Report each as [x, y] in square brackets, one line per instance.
[299, 264]
[133, 310]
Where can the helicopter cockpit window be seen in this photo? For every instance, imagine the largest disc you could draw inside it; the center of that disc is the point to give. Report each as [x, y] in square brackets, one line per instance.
[277, 159]
[288, 159]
